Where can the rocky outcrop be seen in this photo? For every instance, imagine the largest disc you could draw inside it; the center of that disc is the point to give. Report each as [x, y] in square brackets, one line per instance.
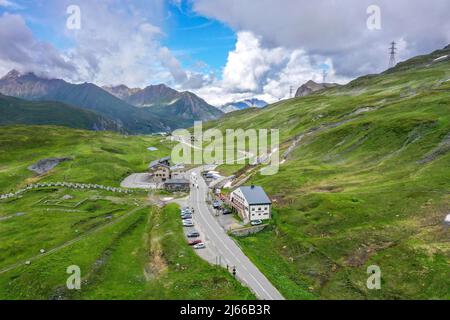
[45, 165]
[311, 87]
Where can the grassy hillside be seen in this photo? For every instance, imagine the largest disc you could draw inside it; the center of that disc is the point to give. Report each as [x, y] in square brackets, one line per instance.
[17, 111]
[87, 96]
[368, 183]
[98, 157]
[125, 247]
[137, 253]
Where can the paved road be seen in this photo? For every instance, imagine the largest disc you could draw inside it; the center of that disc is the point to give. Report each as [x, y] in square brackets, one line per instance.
[228, 250]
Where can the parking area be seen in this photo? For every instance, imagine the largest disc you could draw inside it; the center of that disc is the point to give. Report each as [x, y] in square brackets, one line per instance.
[139, 181]
[208, 253]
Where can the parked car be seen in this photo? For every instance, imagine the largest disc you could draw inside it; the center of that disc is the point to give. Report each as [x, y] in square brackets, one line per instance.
[195, 242]
[188, 223]
[227, 211]
[256, 222]
[200, 246]
[193, 234]
[216, 204]
[186, 211]
[187, 217]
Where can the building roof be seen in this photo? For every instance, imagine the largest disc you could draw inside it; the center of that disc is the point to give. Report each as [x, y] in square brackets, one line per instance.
[255, 195]
[159, 162]
[177, 181]
[156, 164]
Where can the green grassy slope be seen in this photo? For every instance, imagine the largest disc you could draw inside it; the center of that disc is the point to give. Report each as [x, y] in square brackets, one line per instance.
[139, 254]
[125, 248]
[98, 157]
[17, 111]
[368, 184]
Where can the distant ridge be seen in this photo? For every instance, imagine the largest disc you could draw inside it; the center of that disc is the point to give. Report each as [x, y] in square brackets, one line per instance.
[311, 87]
[184, 107]
[87, 96]
[244, 104]
[18, 111]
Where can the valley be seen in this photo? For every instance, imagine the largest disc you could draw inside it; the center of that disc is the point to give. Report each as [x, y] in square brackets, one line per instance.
[125, 246]
[363, 181]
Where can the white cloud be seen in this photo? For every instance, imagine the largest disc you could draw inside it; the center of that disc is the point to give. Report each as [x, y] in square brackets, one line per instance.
[338, 29]
[9, 4]
[20, 50]
[119, 42]
[265, 73]
[249, 64]
[279, 43]
[115, 46]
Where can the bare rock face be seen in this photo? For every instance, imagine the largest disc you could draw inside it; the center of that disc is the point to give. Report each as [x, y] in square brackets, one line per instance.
[167, 102]
[312, 86]
[45, 165]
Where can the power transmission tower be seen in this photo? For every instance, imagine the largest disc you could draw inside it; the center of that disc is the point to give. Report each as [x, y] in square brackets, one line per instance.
[392, 52]
[291, 91]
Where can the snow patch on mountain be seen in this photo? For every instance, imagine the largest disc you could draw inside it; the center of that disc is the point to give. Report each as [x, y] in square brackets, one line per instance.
[244, 104]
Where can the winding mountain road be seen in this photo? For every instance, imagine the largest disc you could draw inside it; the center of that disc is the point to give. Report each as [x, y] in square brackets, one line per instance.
[230, 253]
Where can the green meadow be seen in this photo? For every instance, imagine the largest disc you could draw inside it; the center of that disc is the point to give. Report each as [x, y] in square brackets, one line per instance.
[125, 247]
[365, 181]
[368, 183]
[98, 157]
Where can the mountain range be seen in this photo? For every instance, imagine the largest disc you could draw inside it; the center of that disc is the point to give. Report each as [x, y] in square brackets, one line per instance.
[19, 111]
[167, 102]
[244, 104]
[127, 108]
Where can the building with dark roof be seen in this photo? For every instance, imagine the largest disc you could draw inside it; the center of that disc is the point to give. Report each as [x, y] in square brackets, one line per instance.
[177, 185]
[252, 203]
[160, 170]
[163, 161]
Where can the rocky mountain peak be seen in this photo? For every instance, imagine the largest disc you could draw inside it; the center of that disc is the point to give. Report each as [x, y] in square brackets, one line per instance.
[12, 75]
[312, 86]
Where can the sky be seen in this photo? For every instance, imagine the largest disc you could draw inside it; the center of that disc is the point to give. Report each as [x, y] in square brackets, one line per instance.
[222, 50]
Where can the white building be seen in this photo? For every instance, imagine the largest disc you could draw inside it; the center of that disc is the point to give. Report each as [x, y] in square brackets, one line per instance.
[252, 203]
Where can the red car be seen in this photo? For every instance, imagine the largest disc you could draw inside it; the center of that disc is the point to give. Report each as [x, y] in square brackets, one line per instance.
[194, 242]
